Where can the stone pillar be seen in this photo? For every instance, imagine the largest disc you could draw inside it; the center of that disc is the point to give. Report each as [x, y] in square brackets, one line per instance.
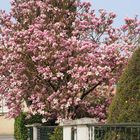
[83, 131]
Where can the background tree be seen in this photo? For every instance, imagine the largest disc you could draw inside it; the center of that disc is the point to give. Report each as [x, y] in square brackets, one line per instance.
[126, 104]
[57, 54]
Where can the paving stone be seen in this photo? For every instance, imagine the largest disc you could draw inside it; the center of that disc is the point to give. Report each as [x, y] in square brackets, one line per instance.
[7, 138]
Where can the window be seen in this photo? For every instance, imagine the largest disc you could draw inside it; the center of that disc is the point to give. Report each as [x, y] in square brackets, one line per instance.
[3, 107]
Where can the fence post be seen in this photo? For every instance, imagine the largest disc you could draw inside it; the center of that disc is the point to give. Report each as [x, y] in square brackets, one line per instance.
[35, 132]
[82, 132]
[67, 133]
[80, 127]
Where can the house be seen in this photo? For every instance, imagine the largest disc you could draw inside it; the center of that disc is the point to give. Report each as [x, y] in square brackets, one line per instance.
[6, 125]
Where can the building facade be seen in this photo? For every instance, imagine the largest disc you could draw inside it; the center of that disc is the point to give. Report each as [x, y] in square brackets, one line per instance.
[6, 125]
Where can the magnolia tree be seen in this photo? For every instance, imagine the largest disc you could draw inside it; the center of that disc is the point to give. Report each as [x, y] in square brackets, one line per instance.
[61, 58]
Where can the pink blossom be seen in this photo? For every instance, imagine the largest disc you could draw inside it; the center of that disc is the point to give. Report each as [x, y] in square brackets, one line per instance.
[51, 57]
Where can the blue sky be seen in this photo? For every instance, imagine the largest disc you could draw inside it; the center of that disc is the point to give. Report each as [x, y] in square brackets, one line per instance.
[123, 8]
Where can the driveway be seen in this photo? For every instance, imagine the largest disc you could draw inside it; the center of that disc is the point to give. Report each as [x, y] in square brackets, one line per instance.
[7, 138]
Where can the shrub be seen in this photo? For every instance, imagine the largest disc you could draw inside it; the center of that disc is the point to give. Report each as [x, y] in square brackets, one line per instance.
[57, 134]
[34, 119]
[20, 130]
[115, 136]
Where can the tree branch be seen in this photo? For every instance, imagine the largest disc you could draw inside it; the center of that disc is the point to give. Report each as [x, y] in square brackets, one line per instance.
[89, 90]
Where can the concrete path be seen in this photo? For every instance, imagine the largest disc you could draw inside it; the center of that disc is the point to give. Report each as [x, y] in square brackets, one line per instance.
[7, 138]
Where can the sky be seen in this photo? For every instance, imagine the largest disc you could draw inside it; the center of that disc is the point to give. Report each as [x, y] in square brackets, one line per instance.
[123, 8]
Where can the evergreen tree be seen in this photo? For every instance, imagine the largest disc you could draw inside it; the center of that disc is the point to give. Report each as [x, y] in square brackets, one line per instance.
[126, 104]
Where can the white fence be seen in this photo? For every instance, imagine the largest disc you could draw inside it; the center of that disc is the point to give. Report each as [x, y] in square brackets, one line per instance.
[89, 129]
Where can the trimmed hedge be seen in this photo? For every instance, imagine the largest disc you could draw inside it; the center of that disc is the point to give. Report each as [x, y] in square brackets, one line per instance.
[20, 131]
[125, 106]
